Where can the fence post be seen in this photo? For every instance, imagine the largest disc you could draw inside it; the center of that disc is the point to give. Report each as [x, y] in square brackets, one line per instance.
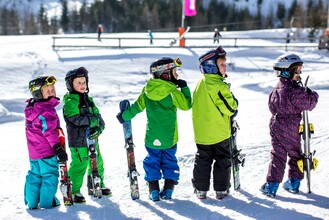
[54, 43]
[119, 42]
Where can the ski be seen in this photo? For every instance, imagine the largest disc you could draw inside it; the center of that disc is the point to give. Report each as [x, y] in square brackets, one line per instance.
[66, 185]
[129, 145]
[307, 163]
[94, 182]
[237, 158]
[174, 41]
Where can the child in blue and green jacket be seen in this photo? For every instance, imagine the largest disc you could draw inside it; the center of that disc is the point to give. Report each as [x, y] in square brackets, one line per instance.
[161, 98]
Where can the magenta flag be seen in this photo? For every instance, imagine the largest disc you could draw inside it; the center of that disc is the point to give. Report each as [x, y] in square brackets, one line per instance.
[190, 8]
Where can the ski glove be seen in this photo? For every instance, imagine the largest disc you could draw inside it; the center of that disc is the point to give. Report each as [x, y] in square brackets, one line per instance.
[95, 132]
[181, 83]
[60, 152]
[119, 117]
[308, 90]
[94, 121]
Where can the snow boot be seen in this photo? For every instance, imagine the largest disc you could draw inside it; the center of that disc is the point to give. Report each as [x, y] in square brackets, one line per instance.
[79, 198]
[270, 188]
[168, 189]
[200, 194]
[154, 190]
[292, 185]
[221, 194]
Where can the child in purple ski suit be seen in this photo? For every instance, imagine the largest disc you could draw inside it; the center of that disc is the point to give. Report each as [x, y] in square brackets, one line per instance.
[286, 102]
[43, 144]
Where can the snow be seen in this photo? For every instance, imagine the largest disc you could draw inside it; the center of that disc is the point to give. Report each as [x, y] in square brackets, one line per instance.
[117, 74]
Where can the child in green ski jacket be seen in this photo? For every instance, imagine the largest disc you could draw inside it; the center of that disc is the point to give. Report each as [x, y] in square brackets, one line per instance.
[80, 114]
[161, 98]
[212, 108]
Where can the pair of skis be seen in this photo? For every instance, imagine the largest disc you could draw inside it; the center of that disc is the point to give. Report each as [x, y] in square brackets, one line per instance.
[66, 185]
[94, 181]
[129, 145]
[308, 162]
[237, 159]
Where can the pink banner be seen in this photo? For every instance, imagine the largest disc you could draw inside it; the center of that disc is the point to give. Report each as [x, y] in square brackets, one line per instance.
[190, 7]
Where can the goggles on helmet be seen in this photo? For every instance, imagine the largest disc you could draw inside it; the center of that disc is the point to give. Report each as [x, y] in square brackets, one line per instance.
[215, 53]
[41, 82]
[166, 67]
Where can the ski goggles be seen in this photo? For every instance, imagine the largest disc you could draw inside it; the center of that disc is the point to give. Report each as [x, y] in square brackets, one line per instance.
[40, 82]
[213, 55]
[165, 67]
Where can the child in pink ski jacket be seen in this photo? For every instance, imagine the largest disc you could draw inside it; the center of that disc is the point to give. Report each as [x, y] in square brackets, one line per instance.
[43, 144]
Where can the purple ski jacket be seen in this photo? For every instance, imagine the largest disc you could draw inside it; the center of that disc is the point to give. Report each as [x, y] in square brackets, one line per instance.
[40, 126]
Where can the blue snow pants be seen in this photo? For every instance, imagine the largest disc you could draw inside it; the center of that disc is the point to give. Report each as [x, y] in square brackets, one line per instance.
[161, 163]
[41, 183]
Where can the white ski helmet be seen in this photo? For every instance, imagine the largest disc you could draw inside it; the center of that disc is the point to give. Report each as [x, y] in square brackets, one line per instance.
[285, 65]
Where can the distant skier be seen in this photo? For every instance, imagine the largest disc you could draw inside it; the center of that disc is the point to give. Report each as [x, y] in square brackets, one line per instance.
[217, 35]
[212, 109]
[43, 144]
[151, 36]
[161, 98]
[286, 102]
[100, 30]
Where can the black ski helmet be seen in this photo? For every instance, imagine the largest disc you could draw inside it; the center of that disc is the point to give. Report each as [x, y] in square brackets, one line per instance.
[37, 84]
[285, 65]
[207, 62]
[75, 73]
[162, 67]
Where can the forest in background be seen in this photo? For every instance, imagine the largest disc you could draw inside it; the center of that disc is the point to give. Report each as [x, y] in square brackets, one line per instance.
[159, 16]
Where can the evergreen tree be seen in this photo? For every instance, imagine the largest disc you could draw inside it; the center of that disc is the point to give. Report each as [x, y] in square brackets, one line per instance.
[65, 16]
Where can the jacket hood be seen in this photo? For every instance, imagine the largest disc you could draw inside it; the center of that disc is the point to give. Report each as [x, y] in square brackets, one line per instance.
[34, 108]
[157, 89]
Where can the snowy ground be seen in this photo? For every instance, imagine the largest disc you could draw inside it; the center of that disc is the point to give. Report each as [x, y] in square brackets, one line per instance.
[117, 74]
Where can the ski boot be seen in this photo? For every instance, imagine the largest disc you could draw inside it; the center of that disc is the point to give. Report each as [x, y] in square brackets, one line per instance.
[221, 194]
[106, 191]
[270, 188]
[200, 194]
[292, 185]
[168, 188]
[154, 190]
[79, 198]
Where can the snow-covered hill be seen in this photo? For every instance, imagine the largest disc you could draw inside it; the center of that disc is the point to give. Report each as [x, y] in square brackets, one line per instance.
[117, 74]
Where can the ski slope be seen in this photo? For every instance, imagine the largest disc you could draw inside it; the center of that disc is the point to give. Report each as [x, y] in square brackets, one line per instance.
[117, 74]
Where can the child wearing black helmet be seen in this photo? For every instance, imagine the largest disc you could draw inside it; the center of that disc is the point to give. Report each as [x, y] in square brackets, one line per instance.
[43, 144]
[80, 114]
[161, 98]
[212, 109]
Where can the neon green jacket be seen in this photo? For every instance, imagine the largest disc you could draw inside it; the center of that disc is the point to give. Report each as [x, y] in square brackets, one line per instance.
[213, 104]
[161, 99]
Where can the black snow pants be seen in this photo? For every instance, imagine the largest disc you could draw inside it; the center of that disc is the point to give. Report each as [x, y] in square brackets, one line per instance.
[204, 159]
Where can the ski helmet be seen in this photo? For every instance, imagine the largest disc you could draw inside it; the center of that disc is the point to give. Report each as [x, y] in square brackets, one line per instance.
[162, 68]
[285, 65]
[75, 73]
[37, 84]
[207, 62]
